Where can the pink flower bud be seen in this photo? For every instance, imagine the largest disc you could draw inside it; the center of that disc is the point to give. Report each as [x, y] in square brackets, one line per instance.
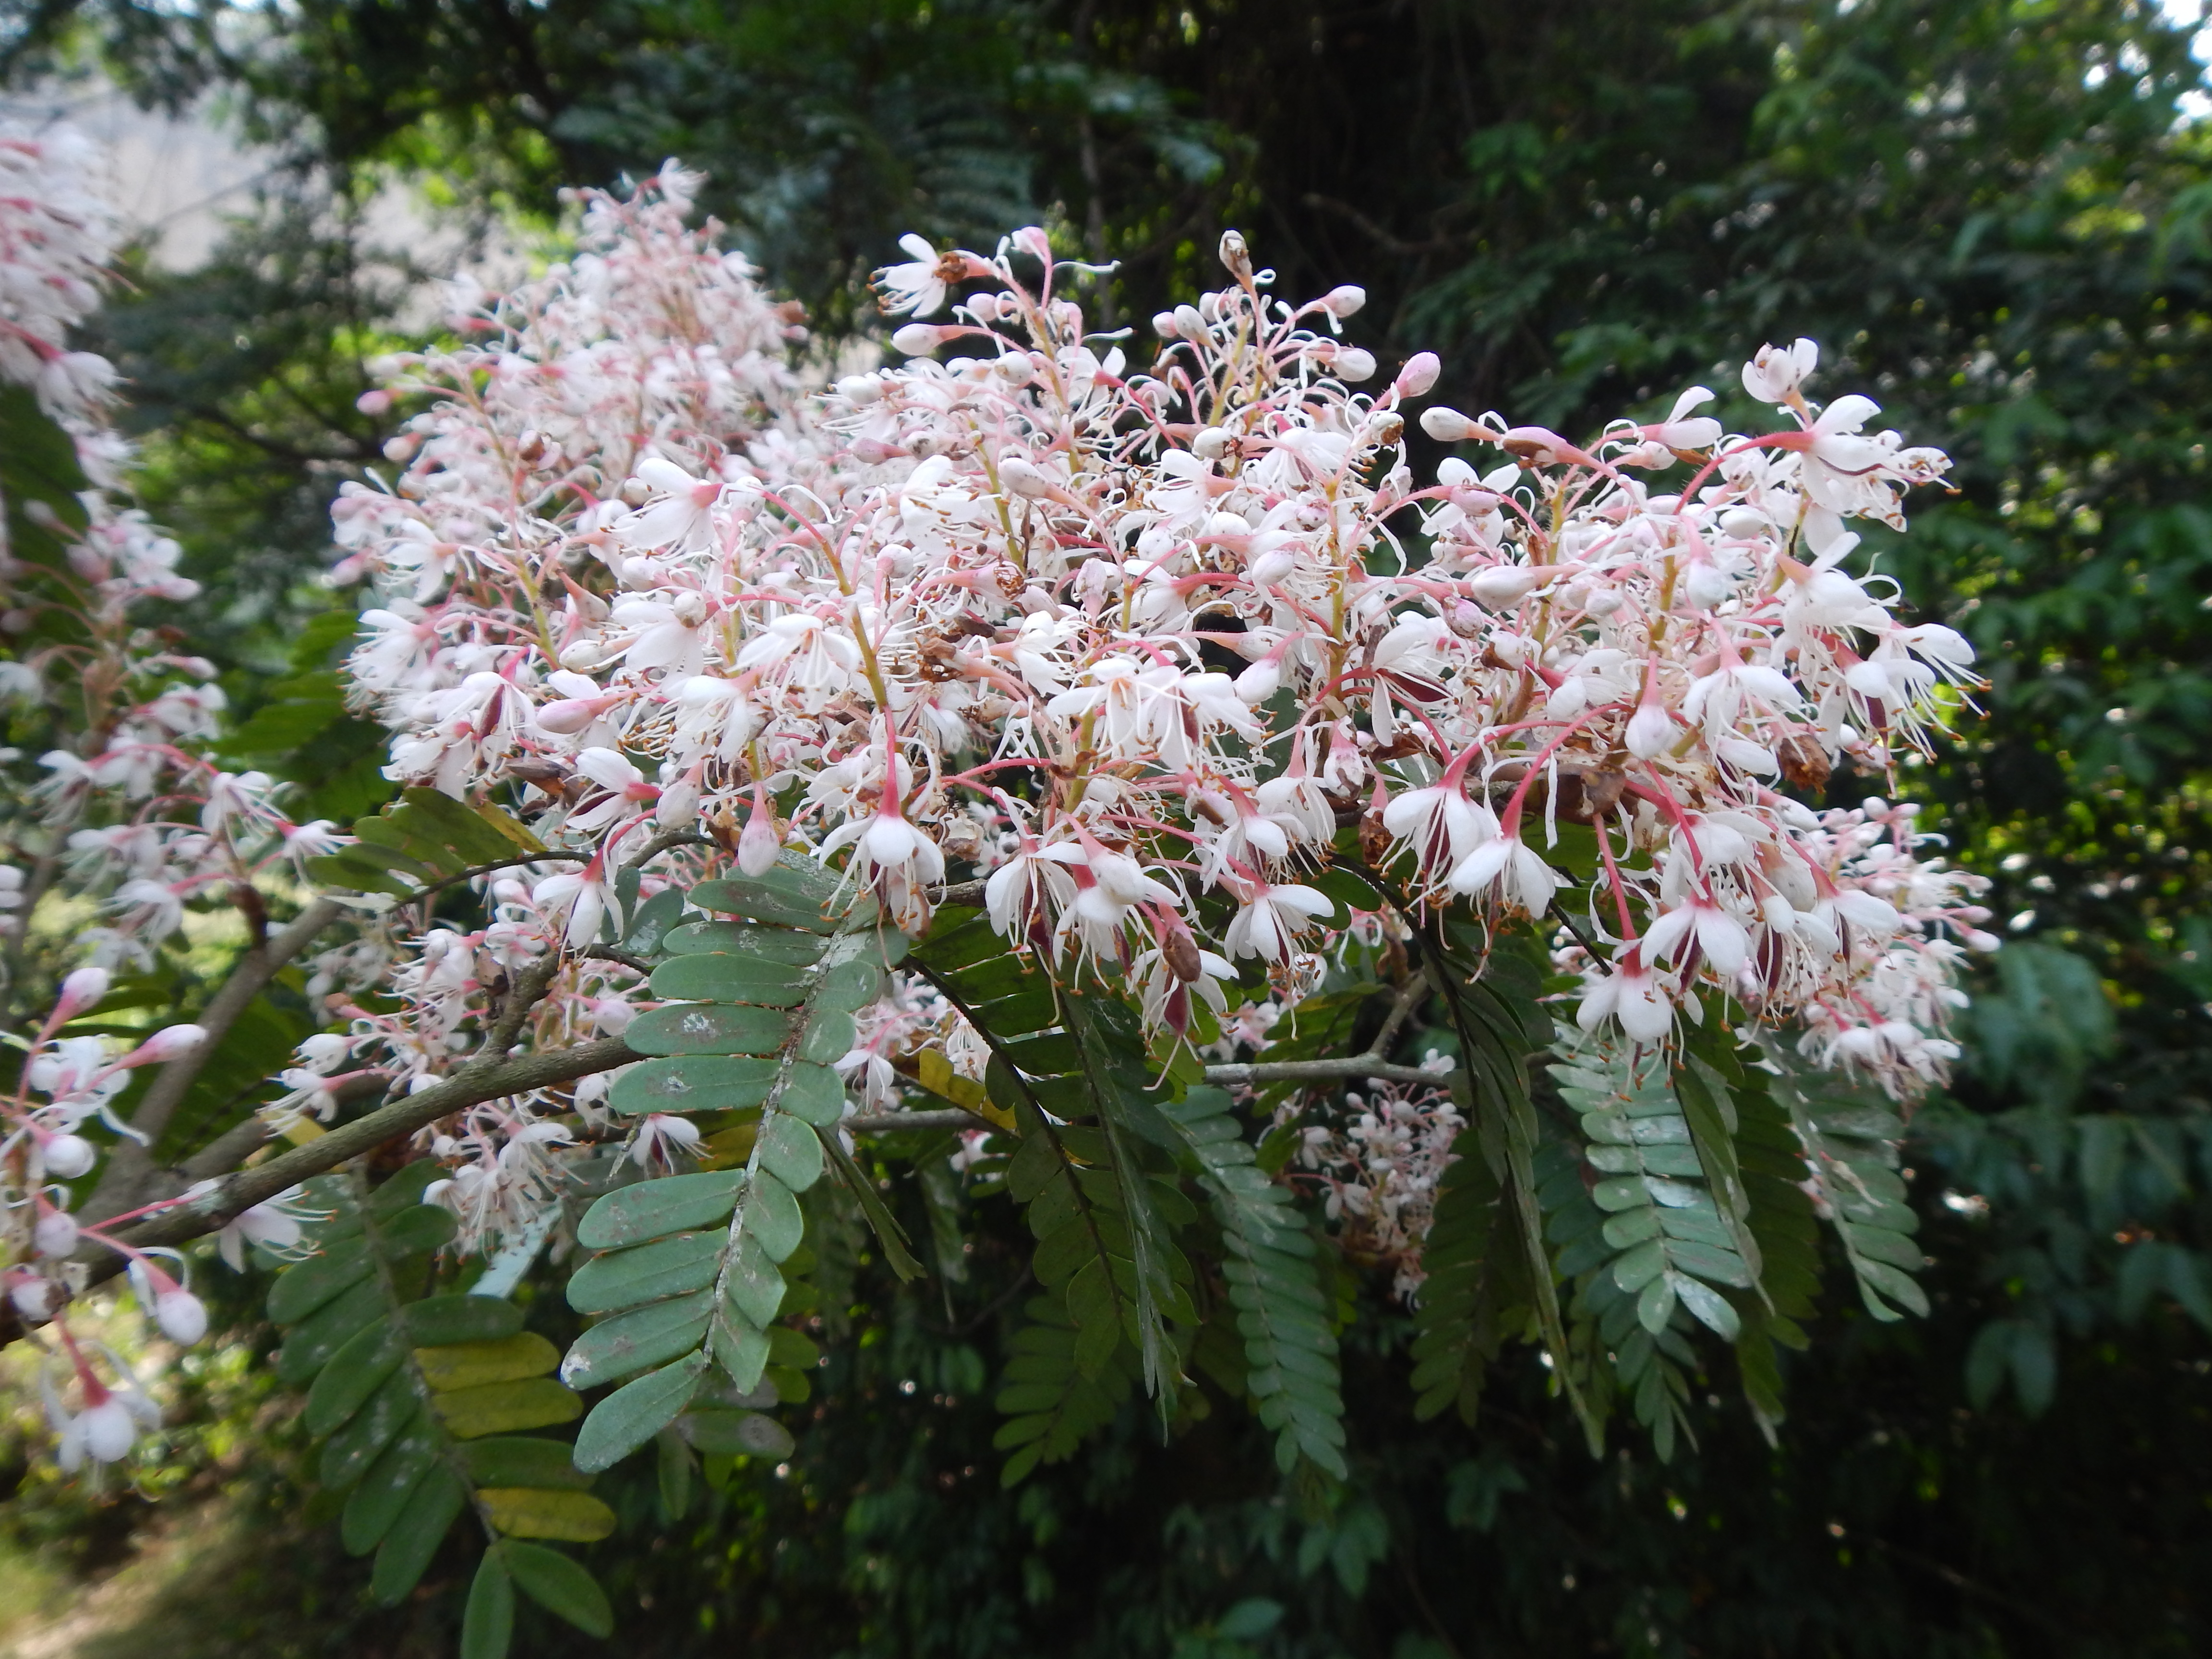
[1419, 374]
[82, 988]
[1506, 585]
[1022, 479]
[1448, 426]
[1034, 242]
[182, 1315]
[1260, 682]
[918, 339]
[758, 845]
[568, 716]
[1344, 300]
[679, 805]
[1650, 729]
[55, 1233]
[374, 401]
[165, 1045]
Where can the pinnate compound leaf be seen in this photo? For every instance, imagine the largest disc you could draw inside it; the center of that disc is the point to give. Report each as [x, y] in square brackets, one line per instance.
[422, 1402]
[1290, 1351]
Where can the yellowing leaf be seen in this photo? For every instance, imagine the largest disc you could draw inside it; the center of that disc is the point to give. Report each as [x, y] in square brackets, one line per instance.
[726, 1149]
[506, 1407]
[935, 1073]
[573, 1517]
[511, 828]
[473, 1364]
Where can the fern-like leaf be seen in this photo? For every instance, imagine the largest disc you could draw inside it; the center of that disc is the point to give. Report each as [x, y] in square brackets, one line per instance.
[1852, 1149]
[688, 1277]
[424, 1405]
[1290, 1351]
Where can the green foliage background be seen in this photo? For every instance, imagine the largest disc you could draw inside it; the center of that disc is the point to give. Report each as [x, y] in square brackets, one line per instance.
[1994, 215]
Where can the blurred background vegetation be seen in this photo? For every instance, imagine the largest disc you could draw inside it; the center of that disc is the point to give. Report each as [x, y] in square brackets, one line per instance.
[1996, 215]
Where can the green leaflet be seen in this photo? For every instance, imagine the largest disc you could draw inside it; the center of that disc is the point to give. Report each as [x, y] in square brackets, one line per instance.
[780, 945]
[488, 1626]
[736, 1433]
[397, 1390]
[437, 1320]
[685, 1276]
[1289, 1348]
[694, 1083]
[637, 1411]
[559, 1585]
[629, 1215]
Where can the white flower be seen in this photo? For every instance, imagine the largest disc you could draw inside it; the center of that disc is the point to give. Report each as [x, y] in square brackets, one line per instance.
[1719, 936]
[1774, 373]
[917, 287]
[1271, 918]
[1632, 994]
[1518, 871]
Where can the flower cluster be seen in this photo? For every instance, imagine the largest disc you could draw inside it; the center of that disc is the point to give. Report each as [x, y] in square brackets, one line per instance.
[1379, 1168]
[1138, 643]
[57, 232]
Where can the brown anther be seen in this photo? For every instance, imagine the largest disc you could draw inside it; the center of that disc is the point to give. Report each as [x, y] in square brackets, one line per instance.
[1804, 764]
[1374, 839]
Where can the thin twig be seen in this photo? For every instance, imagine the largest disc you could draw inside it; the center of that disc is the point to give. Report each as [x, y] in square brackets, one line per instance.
[123, 1184]
[668, 841]
[1322, 1071]
[481, 1080]
[1410, 996]
[885, 1123]
[966, 894]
